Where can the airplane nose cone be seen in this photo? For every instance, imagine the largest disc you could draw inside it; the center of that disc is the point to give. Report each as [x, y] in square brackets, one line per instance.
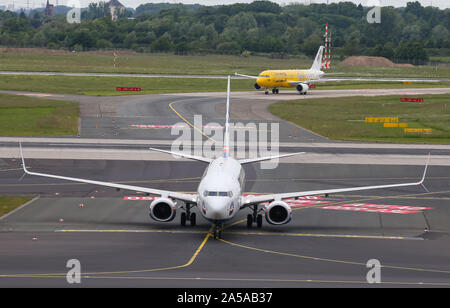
[217, 209]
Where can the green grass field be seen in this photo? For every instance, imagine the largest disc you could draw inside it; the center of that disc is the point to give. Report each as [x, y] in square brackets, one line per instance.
[7, 204]
[160, 63]
[26, 116]
[106, 86]
[390, 72]
[144, 63]
[343, 118]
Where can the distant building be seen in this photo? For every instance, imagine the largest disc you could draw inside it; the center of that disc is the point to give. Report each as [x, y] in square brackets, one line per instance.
[116, 8]
[48, 10]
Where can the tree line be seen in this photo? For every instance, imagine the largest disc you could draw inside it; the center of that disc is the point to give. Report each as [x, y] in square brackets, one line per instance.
[257, 27]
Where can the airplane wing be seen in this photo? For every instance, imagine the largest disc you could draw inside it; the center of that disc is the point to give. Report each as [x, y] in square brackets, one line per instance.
[191, 198]
[293, 83]
[251, 200]
[199, 158]
[246, 76]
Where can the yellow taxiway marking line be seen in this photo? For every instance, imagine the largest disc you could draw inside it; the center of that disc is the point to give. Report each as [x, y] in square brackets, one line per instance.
[191, 260]
[238, 232]
[322, 235]
[189, 123]
[332, 260]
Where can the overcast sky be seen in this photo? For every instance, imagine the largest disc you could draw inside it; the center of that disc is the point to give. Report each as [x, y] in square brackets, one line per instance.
[443, 4]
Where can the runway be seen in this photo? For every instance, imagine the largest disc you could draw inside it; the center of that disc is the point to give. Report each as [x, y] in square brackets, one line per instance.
[327, 244]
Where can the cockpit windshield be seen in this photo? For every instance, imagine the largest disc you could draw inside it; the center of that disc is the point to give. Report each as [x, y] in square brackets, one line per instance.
[217, 193]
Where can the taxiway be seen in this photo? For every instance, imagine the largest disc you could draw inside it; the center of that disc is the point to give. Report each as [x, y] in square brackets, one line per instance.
[328, 243]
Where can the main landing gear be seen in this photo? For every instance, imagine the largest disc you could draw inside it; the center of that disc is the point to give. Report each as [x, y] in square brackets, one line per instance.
[254, 218]
[274, 91]
[188, 216]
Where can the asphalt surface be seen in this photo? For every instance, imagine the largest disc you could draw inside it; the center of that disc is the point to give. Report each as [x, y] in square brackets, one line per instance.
[327, 244]
[119, 245]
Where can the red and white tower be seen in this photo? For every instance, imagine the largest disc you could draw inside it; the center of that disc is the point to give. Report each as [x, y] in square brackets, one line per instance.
[324, 58]
[329, 53]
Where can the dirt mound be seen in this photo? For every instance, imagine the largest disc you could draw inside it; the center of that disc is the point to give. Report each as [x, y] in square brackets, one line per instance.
[371, 61]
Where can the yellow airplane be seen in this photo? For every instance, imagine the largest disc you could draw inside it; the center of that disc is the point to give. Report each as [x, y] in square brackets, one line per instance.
[300, 79]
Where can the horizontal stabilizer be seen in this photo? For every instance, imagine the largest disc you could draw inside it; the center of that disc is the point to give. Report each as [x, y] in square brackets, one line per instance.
[199, 158]
[246, 76]
[254, 160]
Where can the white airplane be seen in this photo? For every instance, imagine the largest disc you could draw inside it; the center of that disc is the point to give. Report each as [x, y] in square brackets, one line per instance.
[219, 195]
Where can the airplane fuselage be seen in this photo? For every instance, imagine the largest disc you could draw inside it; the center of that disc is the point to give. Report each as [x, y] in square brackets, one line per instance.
[220, 190]
[286, 78]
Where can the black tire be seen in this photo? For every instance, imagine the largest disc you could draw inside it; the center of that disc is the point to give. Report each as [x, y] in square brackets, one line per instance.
[193, 220]
[183, 219]
[249, 220]
[259, 221]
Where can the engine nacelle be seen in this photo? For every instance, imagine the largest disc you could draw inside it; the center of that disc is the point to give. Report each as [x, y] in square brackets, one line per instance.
[302, 88]
[278, 213]
[257, 86]
[163, 210]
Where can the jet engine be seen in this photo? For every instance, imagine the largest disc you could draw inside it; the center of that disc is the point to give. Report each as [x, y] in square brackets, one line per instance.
[257, 86]
[302, 88]
[163, 209]
[278, 213]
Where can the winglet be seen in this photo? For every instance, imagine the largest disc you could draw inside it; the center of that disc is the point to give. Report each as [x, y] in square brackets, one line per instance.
[21, 156]
[426, 168]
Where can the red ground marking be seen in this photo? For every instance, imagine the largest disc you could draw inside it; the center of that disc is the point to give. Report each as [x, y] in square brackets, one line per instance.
[409, 100]
[317, 200]
[377, 208]
[128, 89]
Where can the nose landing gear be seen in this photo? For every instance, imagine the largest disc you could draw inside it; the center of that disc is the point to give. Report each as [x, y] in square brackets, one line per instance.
[217, 232]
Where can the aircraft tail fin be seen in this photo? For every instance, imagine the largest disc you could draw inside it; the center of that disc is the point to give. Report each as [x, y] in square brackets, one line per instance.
[318, 60]
[226, 138]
